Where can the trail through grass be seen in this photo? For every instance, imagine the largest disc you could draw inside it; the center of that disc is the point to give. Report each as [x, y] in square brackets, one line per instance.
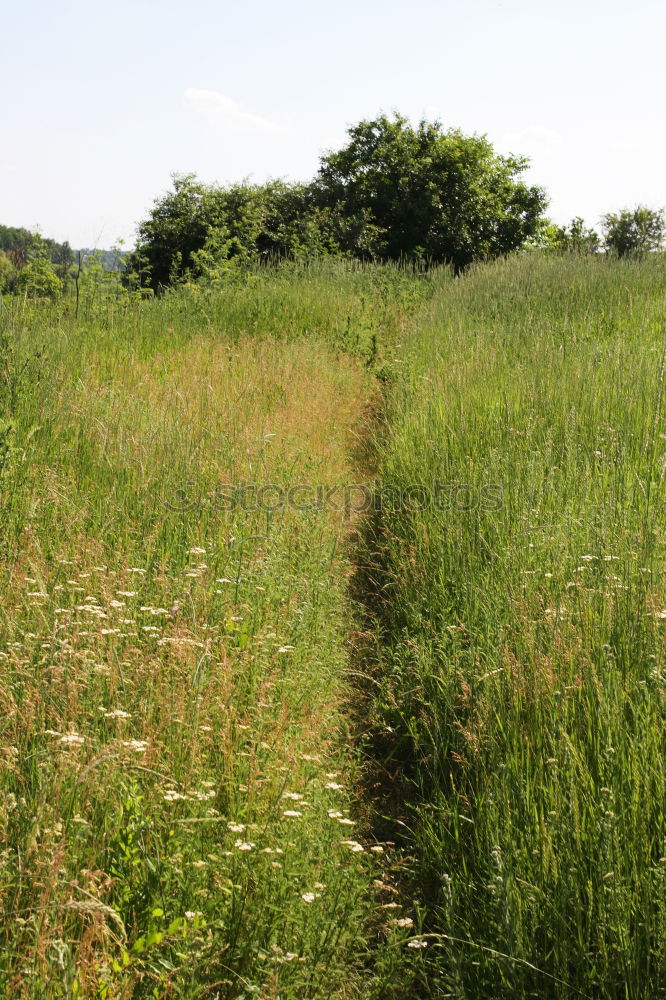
[178, 814]
[183, 812]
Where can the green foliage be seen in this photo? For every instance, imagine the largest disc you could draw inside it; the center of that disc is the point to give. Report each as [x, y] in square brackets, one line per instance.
[574, 238]
[633, 232]
[393, 193]
[61, 256]
[17, 244]
[22, 245]
[7, 272]
[111, 260]
[38, 279]
[177, 227]
[207, 231]
[423, 193]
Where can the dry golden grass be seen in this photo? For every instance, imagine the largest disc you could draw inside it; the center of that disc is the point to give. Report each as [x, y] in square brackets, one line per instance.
[172, 670]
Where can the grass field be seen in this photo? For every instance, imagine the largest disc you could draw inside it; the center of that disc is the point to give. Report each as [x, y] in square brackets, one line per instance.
[256, 744]
[519, 669]
[178, 805]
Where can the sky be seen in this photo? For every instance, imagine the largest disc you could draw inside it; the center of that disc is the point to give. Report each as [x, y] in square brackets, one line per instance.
[103, 102]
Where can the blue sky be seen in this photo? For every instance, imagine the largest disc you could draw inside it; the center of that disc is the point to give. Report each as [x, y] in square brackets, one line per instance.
[103, 102]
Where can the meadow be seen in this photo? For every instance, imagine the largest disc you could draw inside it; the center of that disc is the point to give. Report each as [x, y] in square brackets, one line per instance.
[518, 676]
[265, 745]
[178, 795]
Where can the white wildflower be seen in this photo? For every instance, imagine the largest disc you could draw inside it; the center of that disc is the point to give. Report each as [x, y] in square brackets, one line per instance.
[353, 846]
[244, 845]
[171, 795]
[72, 740]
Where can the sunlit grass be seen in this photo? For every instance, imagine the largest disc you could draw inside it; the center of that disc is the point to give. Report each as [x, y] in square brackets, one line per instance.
[521, 646]
[181, 812]
[178, 813]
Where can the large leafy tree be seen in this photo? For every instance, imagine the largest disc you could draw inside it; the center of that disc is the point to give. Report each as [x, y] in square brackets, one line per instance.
[633, 232]
[426, 192]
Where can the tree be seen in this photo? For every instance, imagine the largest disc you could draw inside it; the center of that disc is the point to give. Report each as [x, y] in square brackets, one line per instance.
[62, 258]
[428, 193]
[634, 232]
[177, 227]
[7, 272]
[17, 244]
[574, 238]
[577, 237]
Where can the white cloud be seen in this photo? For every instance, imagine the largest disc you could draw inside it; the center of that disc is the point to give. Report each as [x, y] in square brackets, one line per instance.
[533, 141]
[225, 113]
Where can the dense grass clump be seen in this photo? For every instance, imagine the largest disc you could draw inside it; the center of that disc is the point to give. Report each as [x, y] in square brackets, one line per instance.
[177, 803]
[518, 599]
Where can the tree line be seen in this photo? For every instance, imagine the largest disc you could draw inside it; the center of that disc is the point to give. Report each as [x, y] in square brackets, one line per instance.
[395, 191]
[36, 266]
[31, 263]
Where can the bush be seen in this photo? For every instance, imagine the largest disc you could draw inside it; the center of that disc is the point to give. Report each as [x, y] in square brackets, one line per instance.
[630, 233]
[39, 280]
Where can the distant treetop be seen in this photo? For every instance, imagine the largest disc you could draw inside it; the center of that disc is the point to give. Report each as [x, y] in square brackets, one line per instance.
[429, 193]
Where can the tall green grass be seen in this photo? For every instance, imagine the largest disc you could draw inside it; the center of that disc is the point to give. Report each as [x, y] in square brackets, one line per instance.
[519, 690]
[178, 813]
